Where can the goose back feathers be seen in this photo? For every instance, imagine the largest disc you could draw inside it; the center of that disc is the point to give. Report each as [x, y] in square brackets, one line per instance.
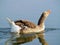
[23, 23]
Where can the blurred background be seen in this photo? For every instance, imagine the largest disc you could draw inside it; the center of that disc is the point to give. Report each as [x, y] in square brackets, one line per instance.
[29, 10]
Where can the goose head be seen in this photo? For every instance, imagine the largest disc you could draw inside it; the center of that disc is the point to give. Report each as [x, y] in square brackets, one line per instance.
[46, 13]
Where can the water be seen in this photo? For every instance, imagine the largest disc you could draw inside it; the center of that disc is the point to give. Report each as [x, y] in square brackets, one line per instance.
[52, 36]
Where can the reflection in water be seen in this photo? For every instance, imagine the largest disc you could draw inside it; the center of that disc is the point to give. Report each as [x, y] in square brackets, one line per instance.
[27, 38]
[5, 33]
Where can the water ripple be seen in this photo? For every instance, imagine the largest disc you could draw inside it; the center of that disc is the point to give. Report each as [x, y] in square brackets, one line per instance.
[5, 32]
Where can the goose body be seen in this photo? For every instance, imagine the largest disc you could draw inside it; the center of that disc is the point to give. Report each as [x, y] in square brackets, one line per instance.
[26, 27]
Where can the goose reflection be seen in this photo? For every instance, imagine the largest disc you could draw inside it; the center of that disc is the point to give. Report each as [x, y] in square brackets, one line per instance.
[25, 31]
[30, 37]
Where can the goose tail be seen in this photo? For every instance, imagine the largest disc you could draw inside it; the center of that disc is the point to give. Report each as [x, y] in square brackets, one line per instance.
[10, 21]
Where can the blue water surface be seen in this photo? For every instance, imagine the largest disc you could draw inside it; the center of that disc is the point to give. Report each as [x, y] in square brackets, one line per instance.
[52, 36]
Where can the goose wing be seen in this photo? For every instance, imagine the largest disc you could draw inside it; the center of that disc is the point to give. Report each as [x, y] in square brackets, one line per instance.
[25, 23]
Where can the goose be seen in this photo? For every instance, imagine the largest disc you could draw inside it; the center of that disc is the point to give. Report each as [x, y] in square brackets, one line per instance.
[26, 27]
[40, 27]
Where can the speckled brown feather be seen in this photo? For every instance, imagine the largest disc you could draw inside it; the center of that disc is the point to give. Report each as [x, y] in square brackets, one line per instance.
[25, 23]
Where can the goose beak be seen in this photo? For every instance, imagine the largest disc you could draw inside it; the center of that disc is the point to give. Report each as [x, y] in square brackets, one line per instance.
[47, 12]
[9, 20]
